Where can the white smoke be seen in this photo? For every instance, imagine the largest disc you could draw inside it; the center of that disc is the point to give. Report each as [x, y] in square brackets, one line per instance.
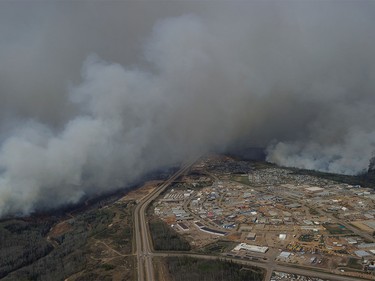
[289, 78]
[340, 141]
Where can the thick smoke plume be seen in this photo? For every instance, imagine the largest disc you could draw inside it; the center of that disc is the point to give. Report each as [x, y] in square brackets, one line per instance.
[172, 83]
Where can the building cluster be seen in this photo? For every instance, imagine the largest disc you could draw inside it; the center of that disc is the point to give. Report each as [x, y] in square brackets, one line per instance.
[305, 219]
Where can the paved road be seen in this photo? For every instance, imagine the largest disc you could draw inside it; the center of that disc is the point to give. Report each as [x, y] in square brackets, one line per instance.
[142, 235]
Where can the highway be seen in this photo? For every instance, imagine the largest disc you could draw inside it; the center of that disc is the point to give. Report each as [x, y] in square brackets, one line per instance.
[142, 235]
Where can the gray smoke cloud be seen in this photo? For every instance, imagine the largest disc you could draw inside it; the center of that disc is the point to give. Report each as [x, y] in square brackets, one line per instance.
[165, 81]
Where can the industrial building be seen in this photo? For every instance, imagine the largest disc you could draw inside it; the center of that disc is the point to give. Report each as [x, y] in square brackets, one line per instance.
[251, 248]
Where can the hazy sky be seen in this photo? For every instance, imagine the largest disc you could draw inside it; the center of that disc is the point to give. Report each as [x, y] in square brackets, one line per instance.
[93, 94]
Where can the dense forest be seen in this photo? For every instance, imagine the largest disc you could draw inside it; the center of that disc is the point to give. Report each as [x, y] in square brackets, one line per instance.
[187, 269]
[52, 249]
[165, 238]
[22, 242]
